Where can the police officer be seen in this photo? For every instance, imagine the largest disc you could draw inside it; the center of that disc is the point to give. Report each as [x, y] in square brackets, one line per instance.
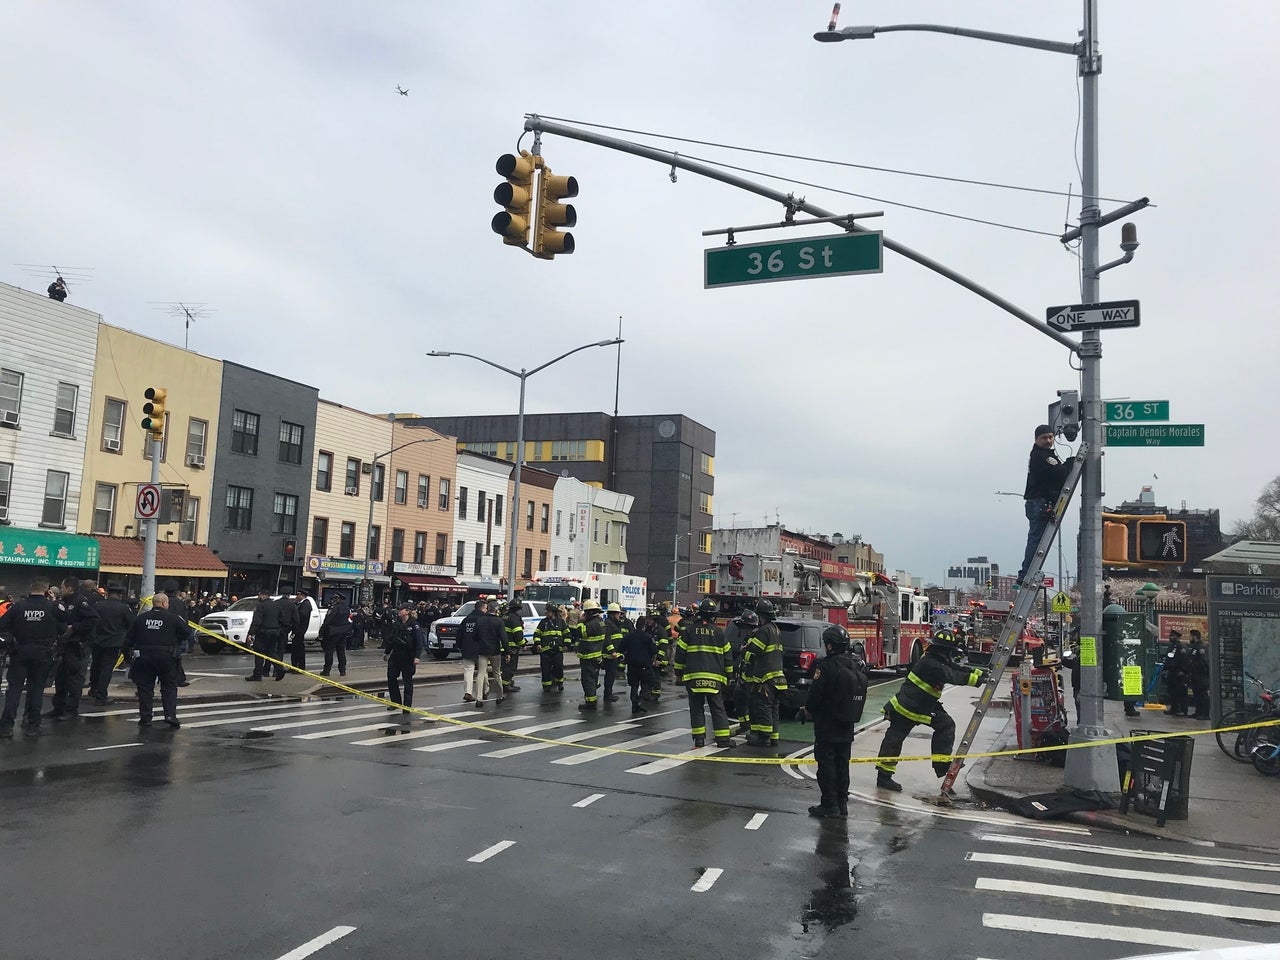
[918, 701]
[513, 624]
[548, 643]
[152, 643]
[1046, 474]
[591, 649]
[402, 646]
[179, 607]
[762, 673]
[334, 633]
[1176, 674]
[298, 638]
[490, 638]
[704, 664]
[1198, 675]
[639, 651]
[35, 623]
[272, 620]
[834, 704]
[115, 619]
[615, 629]
[78, 604]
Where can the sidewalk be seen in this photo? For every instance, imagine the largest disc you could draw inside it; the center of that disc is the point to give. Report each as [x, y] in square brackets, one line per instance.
[1230, 803]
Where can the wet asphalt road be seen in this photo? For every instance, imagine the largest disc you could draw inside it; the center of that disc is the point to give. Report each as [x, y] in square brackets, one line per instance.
[222, 840]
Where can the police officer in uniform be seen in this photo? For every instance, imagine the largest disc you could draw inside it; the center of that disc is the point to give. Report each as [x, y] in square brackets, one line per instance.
[1046, 474]
[115, 619]
[154, 639]
[704, 664]
[591, 650]
[78, 604]
[1176, 674]
[35, 623]
[918, 701]
[834, 708]
[1198, 675]
[402, 643]
[548, 643]
[513, 624]
[762, 673]
[272, 621]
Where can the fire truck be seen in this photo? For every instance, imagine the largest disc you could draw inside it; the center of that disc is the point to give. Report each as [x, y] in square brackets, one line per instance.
[987, 620]
[891, 623]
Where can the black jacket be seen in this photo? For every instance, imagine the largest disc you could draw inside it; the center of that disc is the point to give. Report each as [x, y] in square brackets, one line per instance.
[179, 607]
[337, 619]
[639, 647]
[1045, 474]
[114, 621]
[1198, 661]
[402, 640]
[158, 631]
[34, 619]
[491, 634]
[272, 616]
[919, 696]
[301, 617]
[830, 704]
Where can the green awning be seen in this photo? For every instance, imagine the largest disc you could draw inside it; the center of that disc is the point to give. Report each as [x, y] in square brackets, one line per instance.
[47, 548]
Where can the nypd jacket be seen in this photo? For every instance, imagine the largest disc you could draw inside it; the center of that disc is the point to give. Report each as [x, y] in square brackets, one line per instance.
[34, 620]
[917, 698]
[1045, 474]
[158, 630]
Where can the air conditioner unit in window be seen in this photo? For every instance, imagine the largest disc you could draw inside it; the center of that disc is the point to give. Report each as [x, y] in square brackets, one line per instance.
[195, 460]
[10, 418]
[4, 513]
[111, 446]
[366, 468]
[422, 501]
[351, 491]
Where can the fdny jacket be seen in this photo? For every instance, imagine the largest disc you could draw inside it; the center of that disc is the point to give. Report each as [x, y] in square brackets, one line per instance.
[917, 699]
[704, 659]
[762, 657]
[593, 642]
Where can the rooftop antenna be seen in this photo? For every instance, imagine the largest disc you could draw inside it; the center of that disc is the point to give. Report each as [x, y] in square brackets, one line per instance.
[52, 273]
[189, 312]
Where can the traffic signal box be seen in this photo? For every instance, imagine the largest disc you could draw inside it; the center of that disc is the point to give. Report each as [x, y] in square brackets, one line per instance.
[533, 214]
[516, 195]
[1162, 541]
[552, 214]
[153, 422]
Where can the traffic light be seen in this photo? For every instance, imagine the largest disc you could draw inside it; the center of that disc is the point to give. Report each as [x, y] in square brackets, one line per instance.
[1162, 541]
[547, 239]
[153, 422]
[512, 224]
[1115, 543]
[290, 549]
[1064, 414]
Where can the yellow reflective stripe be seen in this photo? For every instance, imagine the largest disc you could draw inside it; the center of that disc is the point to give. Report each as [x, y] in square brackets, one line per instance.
[974, 677]
[909, 714]
[721, 651]
[927, 688]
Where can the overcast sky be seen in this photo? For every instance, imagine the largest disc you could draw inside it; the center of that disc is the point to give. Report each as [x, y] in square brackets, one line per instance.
[255, 157]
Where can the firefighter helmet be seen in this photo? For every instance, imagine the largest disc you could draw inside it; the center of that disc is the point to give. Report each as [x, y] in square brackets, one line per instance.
[613, 608]
[589, 605]
[837, 637]
[707, 608]
[946, 642]
[748, 618]
[765, 610]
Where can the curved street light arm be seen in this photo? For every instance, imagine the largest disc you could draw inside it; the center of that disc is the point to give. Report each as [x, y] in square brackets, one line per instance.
[585, 346]
[456, 353]
[869, 32]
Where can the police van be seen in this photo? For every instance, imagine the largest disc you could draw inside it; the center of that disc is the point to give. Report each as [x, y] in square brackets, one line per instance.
[568, 587]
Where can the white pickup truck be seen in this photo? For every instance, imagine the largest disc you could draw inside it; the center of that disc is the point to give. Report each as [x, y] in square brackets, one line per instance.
[233, 623]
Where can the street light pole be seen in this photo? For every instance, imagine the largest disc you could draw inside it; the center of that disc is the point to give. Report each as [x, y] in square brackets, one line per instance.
[522, 375]
[368, 530]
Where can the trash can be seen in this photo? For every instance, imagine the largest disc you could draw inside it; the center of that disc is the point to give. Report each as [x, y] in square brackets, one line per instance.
[1124, 636]
[1158, 782]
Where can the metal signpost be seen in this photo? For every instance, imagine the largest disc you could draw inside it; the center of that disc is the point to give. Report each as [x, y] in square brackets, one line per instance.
[837, 255]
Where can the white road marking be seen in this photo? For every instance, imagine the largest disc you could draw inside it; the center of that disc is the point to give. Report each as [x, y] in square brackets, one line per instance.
[188, 707]
[448, 745]
[321, 722]
[227, 721]
[493, 851]
[1107, 931]
[114, 746]
[319, 943]
[532, 728]
[320, 735]
[679, 760]
[572, 738]
[1171, 904]
[586, 756]
[436, 731]
[1131, 854]
[707, 880]
[798, 755]
[756, 822]
[588, 801]
[1064, 866]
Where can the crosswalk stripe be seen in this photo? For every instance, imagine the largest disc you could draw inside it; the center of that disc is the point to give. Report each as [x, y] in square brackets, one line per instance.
[587, 756]
[227, 721]
[189, 708]
[571, 738]
[1064, 866]
[679, 760]
[1107, 931]
[1170, 904]
[533, 728]
[448, 745]
[1061, 845]
[294, 724]
[436, 731]
[343, 731]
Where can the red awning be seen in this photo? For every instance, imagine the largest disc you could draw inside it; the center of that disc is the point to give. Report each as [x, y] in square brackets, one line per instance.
[419, 582]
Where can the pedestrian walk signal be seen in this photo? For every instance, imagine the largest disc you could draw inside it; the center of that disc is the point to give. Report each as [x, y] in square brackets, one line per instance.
[1162, 541]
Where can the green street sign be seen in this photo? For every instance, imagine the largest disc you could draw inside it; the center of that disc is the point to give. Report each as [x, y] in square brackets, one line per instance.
[1126, 411]
[837, 255]
[1156, 435]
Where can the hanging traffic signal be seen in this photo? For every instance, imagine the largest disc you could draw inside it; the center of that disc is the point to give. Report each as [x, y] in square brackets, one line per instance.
[153, 422]
[512, 224]
[552, 214]
[1162, 541]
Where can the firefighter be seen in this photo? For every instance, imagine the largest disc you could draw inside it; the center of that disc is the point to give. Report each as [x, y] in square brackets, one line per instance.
[918, 701]
[763, 676]
[615, 629]
[548, 642]
[513, 622]
[704, 664]
[591, 649]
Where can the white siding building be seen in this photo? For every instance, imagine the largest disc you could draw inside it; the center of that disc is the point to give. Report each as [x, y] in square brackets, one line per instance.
[589, 528]
[480, 521]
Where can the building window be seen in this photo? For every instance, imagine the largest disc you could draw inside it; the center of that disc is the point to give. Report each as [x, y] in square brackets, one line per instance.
[559, 514]
[461, 555]
[708, 465]
[528, 516]
[324, 470]
[545, 522]
[320, 536]
[64, 410]
[424, 490]
[244, 432]
[595, 530]
[6, 482]
[607, 525]
[462, 503]
[104, 508]
[112, 424]
[444, 493]
[188, 528]
[542, 559]
[284, 514]
[379, 479]
[497, 510]
[419, 547]
[55, 498]
[353, 477]
[480, 496]
[402, 486]
[509, 451]
[704, 543]
[497, 559]
[375, 541]
[528, 563]
[479, 559]
[164, 443]
[290, 442]
[568, 449]
[622, 536]
[442, 547]
[239, 507]
[10, 397]
[197, 432]
[487, 448]
[397, 544]
[347, 540]
[704, 502]
[555, 562]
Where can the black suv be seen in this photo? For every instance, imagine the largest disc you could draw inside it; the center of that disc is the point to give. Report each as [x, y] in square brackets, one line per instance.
[801, 650]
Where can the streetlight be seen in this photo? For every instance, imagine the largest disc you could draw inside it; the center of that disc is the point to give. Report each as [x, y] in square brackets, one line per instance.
[522, 375]
[1086, 769]
[368, 530]
[675, 560]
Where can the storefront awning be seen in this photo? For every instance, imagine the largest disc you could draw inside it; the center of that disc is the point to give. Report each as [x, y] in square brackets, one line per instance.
[47, 548]
[124, 555]
[428, 584]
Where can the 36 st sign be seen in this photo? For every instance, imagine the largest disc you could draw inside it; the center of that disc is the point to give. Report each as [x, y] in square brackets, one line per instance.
[838, 255]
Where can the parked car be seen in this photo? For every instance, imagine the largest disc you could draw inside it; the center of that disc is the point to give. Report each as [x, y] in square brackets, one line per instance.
[442, 639]
[233, 623]
[801, 650]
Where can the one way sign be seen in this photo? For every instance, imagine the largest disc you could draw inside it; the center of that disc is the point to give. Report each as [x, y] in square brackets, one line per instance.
[1094, 316]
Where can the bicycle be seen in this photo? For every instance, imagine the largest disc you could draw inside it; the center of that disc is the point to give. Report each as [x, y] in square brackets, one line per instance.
[1266, 753]
[1239, 744]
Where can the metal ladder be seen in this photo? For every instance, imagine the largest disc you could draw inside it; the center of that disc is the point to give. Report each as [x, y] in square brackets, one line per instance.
[1022, 607]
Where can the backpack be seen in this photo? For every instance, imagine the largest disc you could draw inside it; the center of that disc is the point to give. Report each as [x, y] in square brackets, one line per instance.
[859, 688]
